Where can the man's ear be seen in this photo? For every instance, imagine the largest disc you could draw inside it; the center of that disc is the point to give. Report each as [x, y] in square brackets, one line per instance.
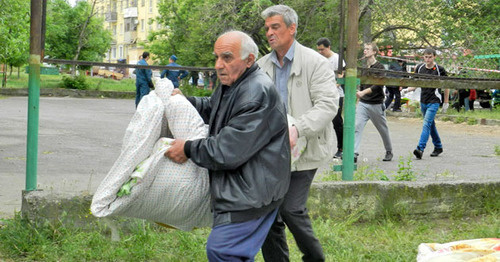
[293, 28]
[250, 60]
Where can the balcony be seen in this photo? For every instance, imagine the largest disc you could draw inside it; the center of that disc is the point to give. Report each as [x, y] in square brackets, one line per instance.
[130, 37]
[130, 12]
[110, 17]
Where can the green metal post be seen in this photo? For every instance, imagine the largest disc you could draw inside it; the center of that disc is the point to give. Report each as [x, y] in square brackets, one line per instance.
[350, 90]
[33, 95]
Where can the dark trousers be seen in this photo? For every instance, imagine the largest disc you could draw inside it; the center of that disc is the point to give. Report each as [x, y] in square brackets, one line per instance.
[338, 124]
[395, 94]
[140, 91]
[293, 214]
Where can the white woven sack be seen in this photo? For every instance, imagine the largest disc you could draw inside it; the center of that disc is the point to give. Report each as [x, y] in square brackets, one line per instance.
[166, 192]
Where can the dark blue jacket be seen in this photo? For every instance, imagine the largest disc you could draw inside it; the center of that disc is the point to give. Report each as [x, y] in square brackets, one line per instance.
[143, 76]
[173, 75]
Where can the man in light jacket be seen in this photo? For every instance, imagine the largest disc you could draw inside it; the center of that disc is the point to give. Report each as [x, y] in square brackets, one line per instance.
[307, 86]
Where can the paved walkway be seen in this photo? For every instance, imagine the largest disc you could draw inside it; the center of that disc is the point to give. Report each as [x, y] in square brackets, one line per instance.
[79, 139]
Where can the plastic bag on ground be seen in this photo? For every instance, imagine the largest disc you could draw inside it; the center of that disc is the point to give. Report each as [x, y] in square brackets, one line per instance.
[472, 250]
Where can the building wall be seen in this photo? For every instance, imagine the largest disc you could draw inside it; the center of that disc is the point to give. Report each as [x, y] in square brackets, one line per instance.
[130, 22]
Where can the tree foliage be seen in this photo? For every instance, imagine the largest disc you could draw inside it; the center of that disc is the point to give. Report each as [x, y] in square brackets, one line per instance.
[451, 26]
[14, 33]
[64, 25]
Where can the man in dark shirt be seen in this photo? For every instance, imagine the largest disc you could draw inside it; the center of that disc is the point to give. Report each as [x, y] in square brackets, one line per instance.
[430, 99]
[371, 106]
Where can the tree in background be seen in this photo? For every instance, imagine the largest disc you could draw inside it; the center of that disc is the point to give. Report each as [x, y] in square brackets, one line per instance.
[191, 26]
[14, 34]
[74, 32]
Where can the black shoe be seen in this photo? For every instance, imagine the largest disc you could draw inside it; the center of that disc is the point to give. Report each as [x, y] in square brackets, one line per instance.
[356, 157]
[397, 110]
[436, 152]
[388, 156]
[338, 154]
[418, 153]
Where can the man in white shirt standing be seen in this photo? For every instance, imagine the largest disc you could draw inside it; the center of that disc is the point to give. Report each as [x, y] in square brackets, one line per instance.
[324, 48]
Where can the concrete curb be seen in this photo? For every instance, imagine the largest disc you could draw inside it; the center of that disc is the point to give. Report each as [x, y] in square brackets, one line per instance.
[335, 200]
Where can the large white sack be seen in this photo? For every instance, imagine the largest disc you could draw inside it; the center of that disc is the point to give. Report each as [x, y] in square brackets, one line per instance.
[166, 192]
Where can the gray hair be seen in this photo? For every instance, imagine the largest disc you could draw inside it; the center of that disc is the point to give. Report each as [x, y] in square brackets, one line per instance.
[289, 15]
[248, 46]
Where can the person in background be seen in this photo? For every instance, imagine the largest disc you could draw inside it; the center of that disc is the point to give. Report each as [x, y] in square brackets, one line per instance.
[323, 45]
[247, 151]
[371, 107]
[430, 99]
[194, 78]
[174, 75]
[395, 91]
[143, 81]
[306, 83]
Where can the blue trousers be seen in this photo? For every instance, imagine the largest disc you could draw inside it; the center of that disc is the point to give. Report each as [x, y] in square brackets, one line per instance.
[429, 112]
[239, 241]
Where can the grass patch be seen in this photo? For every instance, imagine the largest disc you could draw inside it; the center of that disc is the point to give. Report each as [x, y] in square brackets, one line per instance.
[346, 240]
[477, 114]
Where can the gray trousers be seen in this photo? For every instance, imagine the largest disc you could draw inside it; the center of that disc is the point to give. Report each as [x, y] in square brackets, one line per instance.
[375, 113]
[293, 213]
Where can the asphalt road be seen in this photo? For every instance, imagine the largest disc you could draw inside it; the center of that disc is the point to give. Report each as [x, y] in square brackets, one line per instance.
[79, 140]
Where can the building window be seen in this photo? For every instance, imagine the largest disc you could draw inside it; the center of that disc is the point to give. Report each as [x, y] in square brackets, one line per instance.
[114, 30]
[120, 52]
[151, 6]
[126, 3]
[127, 27]
[143, 2]
[120, 27]
[113, 52]
[150, 24]
[142, 25]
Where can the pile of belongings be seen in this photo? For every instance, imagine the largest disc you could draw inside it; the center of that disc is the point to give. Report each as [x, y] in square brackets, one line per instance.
[472, 250]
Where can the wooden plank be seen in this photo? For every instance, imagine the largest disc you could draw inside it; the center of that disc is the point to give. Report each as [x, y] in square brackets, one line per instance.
[430, 83]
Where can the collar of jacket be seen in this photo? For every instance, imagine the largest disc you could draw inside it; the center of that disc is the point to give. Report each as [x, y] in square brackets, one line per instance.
[268, 67]
[248, 71]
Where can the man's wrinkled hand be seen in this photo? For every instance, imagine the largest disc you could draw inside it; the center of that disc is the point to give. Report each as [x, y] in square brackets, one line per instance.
[176, 151]
[177, 91]
[294, 135]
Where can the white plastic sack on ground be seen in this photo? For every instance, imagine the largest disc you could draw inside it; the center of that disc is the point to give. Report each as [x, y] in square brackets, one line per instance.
[472, 250]
[301, 145]
[165, 192]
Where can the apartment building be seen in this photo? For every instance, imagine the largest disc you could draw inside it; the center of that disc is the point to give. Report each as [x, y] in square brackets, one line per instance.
[130, 22]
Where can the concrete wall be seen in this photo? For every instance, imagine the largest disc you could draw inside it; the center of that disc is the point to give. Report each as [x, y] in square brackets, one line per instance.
[336, 200]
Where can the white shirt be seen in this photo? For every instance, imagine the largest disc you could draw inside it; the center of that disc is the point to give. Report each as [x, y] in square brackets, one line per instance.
[334, 62]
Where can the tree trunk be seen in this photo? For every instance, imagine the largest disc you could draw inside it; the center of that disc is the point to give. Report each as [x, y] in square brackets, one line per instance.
[4, 78]
[18, 72]
[81, 38]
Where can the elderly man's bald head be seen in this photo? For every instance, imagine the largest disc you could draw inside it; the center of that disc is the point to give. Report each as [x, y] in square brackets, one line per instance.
[234, 51]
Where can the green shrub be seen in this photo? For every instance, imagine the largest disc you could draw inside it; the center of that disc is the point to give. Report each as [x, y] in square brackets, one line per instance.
[459, 119]
[76, 82]
[472, 121]
[405, 170]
